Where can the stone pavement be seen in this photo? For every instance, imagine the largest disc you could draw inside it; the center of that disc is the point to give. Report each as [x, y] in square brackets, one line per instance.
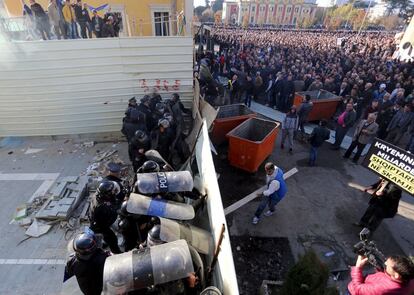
[35, 266]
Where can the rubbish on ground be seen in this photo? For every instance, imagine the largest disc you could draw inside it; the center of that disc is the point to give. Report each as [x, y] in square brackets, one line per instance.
[38, 228]
[24, 221]
[20, 212]
[9, 153]
[103, 155]
[88, 144]
[32, 151]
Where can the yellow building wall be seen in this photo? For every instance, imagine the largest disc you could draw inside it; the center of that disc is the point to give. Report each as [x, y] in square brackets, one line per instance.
[137, 12]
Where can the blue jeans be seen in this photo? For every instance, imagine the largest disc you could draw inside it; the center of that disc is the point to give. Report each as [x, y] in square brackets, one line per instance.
[312, 155]
[71, 27]
[267, 201]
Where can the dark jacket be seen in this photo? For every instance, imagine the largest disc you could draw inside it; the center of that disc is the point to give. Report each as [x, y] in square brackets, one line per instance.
[38, 10]
[89, 273]
[318, 136]
[78, 13]
[97, 24]
[401, 120]
[304, 109]
[85, 16]
[107, 30]
[288, 89]
[387, 204]
[350, 119]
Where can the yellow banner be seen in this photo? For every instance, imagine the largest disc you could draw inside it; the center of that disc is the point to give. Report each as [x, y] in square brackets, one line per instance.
[391, 172]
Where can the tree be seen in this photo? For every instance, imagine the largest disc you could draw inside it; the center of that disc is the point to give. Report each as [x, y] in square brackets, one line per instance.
[309, 276]
[218, 5]
[389, 22]
[405, 8]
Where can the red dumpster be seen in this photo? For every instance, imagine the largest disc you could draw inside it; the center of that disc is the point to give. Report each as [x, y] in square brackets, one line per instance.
[324, 103]
[229, 117]
[251, 143]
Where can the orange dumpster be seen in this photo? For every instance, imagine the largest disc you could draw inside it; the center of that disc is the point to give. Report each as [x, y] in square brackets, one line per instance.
[324, 103]
[229, 117]
[251, 143]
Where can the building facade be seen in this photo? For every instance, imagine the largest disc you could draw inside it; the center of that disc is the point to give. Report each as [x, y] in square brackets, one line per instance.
[282, 12]
[139, 17]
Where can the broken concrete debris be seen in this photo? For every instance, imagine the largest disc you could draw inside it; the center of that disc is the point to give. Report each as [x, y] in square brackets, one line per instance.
[64, 196]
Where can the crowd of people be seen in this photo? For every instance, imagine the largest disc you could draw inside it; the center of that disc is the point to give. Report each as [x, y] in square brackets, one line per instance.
[269, 66]
[69, 20]
[376, 98]
[147, 214]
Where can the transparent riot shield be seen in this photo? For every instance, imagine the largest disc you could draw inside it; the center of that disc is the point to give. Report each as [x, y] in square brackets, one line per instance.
[139, 269]
[164, 182]
[139, 204]
[199, 238]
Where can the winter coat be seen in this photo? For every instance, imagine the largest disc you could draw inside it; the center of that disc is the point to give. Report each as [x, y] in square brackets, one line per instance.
[370, 132]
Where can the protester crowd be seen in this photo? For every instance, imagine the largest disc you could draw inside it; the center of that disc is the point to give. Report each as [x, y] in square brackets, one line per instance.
[64, 19]
[272, 65]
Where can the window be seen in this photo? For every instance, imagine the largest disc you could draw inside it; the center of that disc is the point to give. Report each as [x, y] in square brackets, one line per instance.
[252, 19]
[296, 9]
[280, 8]
[162, 23]
[253, 8]
[271, 8]
[289, 9]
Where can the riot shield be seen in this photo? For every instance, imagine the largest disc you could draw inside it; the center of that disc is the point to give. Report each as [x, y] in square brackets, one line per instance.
[139, 204]
[199, 238]
[164, 182]
[139, 269]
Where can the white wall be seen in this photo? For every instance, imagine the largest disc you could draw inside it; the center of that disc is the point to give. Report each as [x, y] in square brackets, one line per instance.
[83, 86]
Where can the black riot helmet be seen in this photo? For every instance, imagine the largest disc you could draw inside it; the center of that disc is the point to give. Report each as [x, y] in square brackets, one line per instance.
[149, 167]
[153, 237]
[160, 107]
[85, 245]
[175, 97]
[107, 190]
[140, 136]
[123, 210]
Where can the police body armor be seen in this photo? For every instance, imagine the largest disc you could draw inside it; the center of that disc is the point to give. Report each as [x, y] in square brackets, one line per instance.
[142, 205]
[143, 268]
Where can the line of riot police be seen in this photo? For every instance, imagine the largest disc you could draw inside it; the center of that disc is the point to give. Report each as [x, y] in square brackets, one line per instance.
[162, 251]
[155, 124]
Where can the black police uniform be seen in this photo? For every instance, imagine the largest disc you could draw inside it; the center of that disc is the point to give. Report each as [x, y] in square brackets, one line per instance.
[135, 156]
[89, 273]
[162, 141]
[101, 216]
[119, 198]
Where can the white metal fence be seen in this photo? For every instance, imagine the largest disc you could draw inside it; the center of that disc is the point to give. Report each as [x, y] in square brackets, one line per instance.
[83, 86]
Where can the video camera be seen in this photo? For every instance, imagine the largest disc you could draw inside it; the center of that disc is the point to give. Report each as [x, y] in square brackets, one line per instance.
[368, 249]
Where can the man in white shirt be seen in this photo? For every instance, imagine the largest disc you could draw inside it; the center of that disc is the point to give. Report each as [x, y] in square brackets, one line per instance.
[276, 190]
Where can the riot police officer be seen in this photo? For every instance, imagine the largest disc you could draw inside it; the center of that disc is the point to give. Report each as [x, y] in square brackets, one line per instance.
[144, 107]
[114, 174]
[139, 144]
[87, 264]
[134, 120]
[162, 139]
[149, 167]
[103, 214]
[158, 113]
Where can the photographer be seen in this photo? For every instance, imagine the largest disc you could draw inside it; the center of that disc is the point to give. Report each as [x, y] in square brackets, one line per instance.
[396, 279]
